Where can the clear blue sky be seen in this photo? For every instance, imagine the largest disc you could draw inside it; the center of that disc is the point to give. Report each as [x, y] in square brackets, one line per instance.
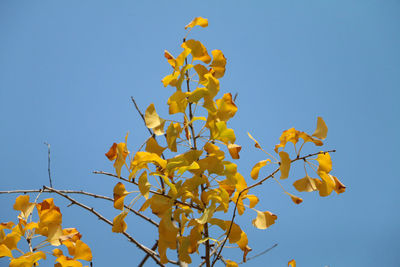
[68, 69]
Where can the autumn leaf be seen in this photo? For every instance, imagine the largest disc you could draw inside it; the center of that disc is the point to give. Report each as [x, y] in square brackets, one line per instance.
[144, 185]
[292, 263]
[284, 164]
[153, 121]
[322, 130]
[22, 204]
[256, 169]
[119, 195]
[119, 225]
[197, 21]
[234, 150]
[264, 219]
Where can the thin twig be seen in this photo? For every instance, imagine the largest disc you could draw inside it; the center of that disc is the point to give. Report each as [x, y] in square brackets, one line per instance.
[254, 185]
[154, 247]
[48, 162]
[148, 251]
[260, 254]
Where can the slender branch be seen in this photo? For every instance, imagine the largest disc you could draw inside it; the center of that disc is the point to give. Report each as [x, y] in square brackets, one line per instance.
[259, 254]
[154, 247]
[141, 115]
[81, 193]
[48, 162]
[151, 191]
[148, 251]
[151, 133]
[254, 185]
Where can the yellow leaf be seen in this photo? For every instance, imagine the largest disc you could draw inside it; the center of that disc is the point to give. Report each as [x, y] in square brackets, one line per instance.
[208, 213]
[82, 251]
[290, 135]
[234, 150]
[153, 121]
[322, 130]
[5, 251]
[325, 162]
[226, 107]
[197, 95]
[153, 147]
[327, 185]
[122, 153]
[173, 132]
[119, 195]
[57, 252]
[197, 21]
[22, 204]
[198, 51]
[306, 184]
[160, 204]
[171, 79]
[11, 240]
[256, 169]
[218, 63]
[292, 263]
[177, 102]
[339, 187]
[253, 200]
[184, 243]
[28, 259]
[119, 225]
[230, 263]
[236, 233]
[285, 164]
[54, 233]
[294, 198]
[201, 71]
[144, 185]
[224, 134]
[257, 145]
[264, 219]
[63, 261]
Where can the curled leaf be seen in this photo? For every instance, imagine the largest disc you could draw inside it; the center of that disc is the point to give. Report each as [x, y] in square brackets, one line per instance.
[306, 184]
[264, 219]
[119, 225]
[197, 21]
[295, 199]
[119, 195]
[144, 185]
[322, 130]
[234, 150]
[256, 169]
[285, 164]
[153, 121]
[292, 263]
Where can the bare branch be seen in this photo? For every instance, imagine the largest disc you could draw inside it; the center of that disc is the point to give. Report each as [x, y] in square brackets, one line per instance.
[141, 115]
[48, 162]
[154, 247]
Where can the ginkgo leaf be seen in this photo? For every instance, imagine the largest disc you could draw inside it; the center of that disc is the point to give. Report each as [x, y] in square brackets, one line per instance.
[122, 153]
[184, 243]
[198, 50]
[197, 21]
[226, 107]
[327, 185]
[144, 185]
[82, 251]
[218, 63]
[264, 219]
[224, 134]
[257, 145]
[112, 152]
[322, 130]
[325, 162]
[253, 200]
[339, 187]
[230, 263]
[119, 194]
[5, 251]
[177, 102]
[153, 147]
[119, 225]
[306, 184]
[256, 169]
[11, 240]
[207, 213]
[290, 135]
[63, 261]
[294, 198]
[292, 263]
[173, 132]
[22, 204]
[285, 164]
[234, 150]
[171, 79]
[153, 121]
[201, 70]
[28, 259]
[54, 232]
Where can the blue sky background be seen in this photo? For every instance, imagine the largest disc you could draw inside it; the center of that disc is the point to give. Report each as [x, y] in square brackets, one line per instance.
[68, 69]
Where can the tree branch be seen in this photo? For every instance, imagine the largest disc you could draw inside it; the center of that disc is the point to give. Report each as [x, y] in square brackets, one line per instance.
[48, 162]
[80, 193]
[148, 251]
[254, 185]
